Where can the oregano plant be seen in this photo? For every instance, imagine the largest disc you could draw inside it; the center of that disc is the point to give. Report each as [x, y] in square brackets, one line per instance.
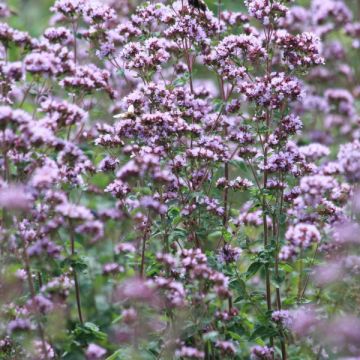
[179, 180]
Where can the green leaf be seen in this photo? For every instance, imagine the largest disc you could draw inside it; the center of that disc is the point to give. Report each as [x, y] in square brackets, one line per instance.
[76, 262]
[234, 335]
[286, 267]
[278, 280]
[218, 104]
[226, 235]
[89, 331]
[181, 81]
[178, 233]
[240, 286]
[253, 269]
[239, 164]
[121, 72]
[211, 336]
[115, 355]
[289, 301]
[215, 235]
[117, 319]
[263, 331]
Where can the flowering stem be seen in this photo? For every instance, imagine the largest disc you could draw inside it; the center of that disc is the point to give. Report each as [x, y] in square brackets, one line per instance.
[77, 288]
[226, 165]
[301, 268]
[308, 276]
[142, 266]
[74, 28]
[264, 211]
[226, 173]
[265, 162]
[5, 217]
[189, 63]
[276, 231]
[6, 164]
[26, 93]
[33, 294]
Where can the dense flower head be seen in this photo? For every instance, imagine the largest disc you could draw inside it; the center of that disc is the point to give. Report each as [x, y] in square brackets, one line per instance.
[303, 235]
[265, 11]
[240, 46]
[323, 10]
[15, 197]
[64, 113]
[190, 352]
[283, 317]
[95, 12]
[95, 352]
[271, 90]
[229, 254]
[58, 35]
[314, 151]
[300, 50]
[4, 11]
[41, 63]
[353, 30]
[262, 353]
[43, 350]
[348, 159]
[87, 79]
[73, 211]
[8, 35]
[19, 325]
[232, 18]
[289, 125]
[152, 13]
[150, 55]
[195, 26]
[226, 347]
[68, 7]
[232, 53]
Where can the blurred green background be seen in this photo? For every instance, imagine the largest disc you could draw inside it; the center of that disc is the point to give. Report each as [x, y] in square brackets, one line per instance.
[33, 15]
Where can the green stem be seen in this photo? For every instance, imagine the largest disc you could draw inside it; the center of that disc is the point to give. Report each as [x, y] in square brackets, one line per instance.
[77, 287]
